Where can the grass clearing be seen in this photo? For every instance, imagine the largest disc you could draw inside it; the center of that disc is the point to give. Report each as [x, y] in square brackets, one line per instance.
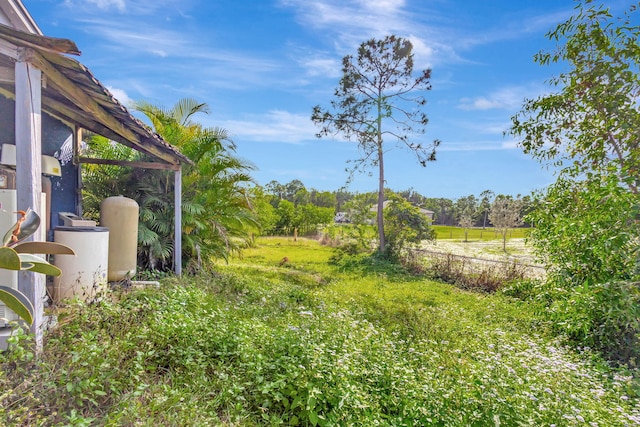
[320, 340]
[457, 233]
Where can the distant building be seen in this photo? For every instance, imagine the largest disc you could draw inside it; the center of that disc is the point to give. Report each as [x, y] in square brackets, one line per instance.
[426, 212]
[341, 217]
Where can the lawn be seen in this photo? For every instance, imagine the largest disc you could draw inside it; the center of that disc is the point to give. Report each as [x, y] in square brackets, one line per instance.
[323, 339]
[448, 232]
[443, 232]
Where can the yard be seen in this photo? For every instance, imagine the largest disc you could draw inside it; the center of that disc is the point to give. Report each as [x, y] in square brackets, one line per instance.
[320, 339]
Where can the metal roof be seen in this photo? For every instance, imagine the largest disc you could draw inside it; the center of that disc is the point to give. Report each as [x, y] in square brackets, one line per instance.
[71, 93]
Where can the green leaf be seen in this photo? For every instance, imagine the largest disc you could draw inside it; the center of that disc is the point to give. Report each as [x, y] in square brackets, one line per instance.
[25, 227]
[313, 417]
[39, 265]
[43, 248]
[18, 302]
[9, 259]
[26, 266]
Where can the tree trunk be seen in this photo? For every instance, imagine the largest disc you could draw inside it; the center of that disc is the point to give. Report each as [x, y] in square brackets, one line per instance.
[381, 236]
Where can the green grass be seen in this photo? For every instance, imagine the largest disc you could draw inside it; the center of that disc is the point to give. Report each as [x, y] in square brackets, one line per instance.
[457, 233]
[321, 340]
[443, 232]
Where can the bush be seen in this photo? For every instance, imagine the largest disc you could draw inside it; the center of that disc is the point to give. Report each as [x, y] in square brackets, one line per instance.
[405, 227]
[460, 272]
[605, 317]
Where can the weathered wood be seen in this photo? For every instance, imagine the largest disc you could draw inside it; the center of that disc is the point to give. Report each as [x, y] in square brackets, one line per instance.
[7, 75]
[60, 70]
[68, 114]
[80, 98]
[19, 18]
[131, 164]
[77, 143]
[8, 49]
[28, 175]
[116, 129]
[177, 237]
[40, 42]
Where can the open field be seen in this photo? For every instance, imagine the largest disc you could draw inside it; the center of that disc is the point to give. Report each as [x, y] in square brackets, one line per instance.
[457, 233]
[517, 249]
[320, 340]
[486, 244]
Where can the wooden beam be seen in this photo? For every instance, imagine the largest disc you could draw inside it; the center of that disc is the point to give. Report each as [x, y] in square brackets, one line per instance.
[77, 96]
[7, 75]
[28, 125]
[8, 49]
[37, 41]
[66, 113]
[77, 142]
[87, 83]
[130, 164]
[88, 105]
[177, 225]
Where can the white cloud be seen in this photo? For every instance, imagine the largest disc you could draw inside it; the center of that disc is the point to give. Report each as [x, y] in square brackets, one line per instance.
[321, 66]
[137, 7]
[509, 145]
[102, 4]
[160, 53]
[346, 24]
[274, 126]
[509, 98]
[121, 96]
[383, 6]
[480, 145]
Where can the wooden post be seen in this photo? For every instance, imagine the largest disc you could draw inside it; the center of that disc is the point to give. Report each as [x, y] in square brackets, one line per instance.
[77, 141]
[177, 246]
[29, 171]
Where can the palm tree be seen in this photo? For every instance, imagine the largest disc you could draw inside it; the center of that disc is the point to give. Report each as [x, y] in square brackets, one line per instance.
[216, 210]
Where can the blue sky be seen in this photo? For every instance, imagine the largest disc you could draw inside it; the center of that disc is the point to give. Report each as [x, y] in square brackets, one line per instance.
[262, 65]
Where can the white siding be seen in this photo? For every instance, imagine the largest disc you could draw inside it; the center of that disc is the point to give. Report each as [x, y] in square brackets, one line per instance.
[3, 18]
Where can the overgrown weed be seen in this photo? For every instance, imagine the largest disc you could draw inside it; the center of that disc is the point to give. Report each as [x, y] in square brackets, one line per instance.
[250, 346]
[484, 277]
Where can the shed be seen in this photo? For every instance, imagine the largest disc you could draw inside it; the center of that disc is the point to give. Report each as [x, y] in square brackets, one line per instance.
[47, 98]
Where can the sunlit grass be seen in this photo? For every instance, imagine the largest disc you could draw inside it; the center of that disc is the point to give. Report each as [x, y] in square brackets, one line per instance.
[320, 340]
[489, 233]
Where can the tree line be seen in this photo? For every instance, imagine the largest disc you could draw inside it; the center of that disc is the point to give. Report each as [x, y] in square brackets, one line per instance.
[472, 210]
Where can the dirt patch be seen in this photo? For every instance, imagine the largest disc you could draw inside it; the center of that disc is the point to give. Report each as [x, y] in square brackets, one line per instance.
[517, 249]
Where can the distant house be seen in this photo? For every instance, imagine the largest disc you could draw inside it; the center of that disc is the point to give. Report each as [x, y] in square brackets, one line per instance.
[426, 212]
[341, 217]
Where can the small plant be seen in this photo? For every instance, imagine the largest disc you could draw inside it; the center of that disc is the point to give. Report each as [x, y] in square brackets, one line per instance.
[460, 272]
[18, 255]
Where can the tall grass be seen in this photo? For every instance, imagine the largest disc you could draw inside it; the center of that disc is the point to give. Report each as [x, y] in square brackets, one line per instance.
[309, 343]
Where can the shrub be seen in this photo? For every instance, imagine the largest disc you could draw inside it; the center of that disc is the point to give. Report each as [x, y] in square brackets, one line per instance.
[605, 317]
[479, 277]
[405, 226]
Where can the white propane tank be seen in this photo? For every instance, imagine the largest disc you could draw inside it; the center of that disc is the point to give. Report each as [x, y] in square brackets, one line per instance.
[120, 215]
[85, 274]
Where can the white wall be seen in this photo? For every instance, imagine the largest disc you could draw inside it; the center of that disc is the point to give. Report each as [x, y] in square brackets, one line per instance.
[3, 18]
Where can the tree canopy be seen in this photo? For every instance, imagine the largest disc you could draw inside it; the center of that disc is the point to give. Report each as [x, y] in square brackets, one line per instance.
[585, 225]
[217, 213]
[379, 98]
